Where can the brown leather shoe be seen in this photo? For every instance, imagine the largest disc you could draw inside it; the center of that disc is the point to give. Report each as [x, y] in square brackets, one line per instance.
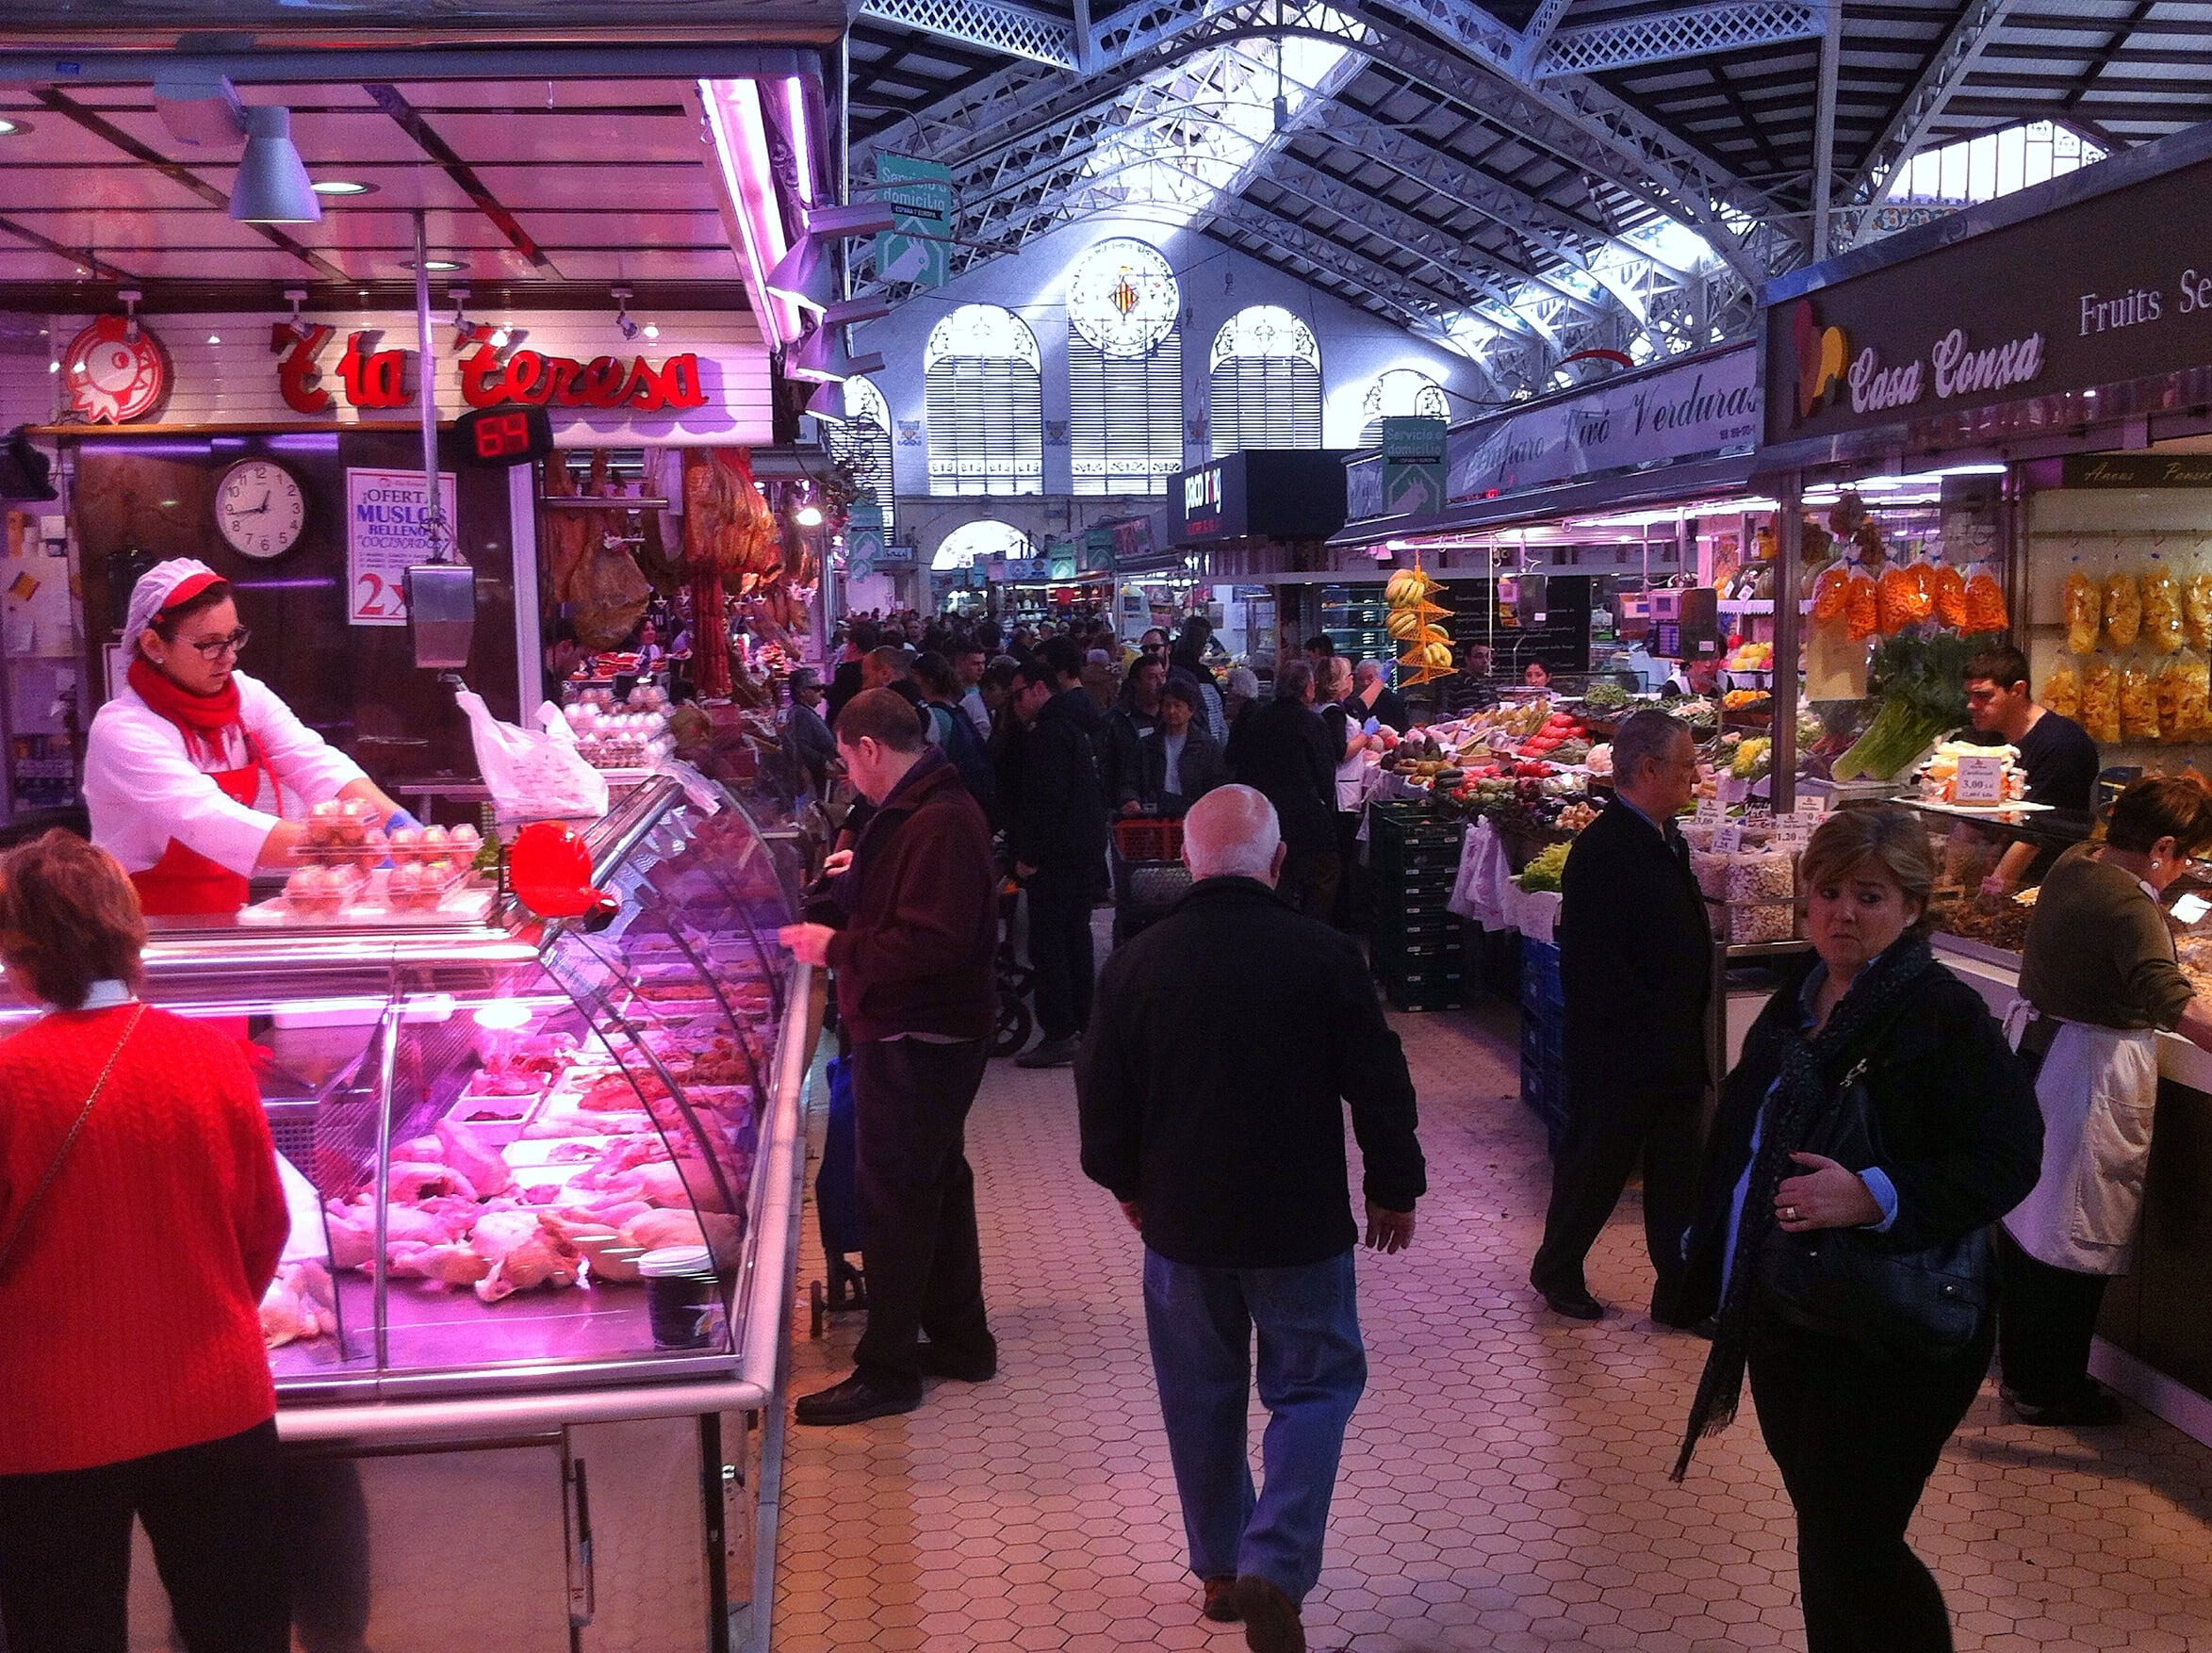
[1220, 1602]
[1272, 1623]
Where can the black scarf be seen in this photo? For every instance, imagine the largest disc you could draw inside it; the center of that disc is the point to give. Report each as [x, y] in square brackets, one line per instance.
[1803, 1094]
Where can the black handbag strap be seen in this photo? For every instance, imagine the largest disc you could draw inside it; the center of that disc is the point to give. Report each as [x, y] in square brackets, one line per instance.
[30, 1207]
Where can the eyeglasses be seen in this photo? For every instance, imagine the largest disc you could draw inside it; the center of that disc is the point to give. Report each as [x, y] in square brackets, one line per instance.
[233, 643]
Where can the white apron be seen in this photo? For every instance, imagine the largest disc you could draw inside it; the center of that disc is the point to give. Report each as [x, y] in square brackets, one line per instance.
[2098, 1092]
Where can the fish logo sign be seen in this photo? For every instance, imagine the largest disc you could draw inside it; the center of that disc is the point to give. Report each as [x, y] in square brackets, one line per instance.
[1822, 354]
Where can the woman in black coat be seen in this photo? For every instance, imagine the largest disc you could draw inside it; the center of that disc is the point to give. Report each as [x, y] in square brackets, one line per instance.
[1854, 1401]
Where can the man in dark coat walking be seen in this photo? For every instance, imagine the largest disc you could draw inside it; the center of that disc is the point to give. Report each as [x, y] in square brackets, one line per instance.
[1635, 966]
[916, 992]
[1058, 846]
[1212, 1087]
[1283, 750]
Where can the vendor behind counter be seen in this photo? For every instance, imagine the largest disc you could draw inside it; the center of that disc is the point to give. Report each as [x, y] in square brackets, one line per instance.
[174, 764]
[2057, 755]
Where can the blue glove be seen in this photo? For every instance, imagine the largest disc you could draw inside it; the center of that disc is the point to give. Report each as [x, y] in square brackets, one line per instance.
[399, 818]
[1372, 726]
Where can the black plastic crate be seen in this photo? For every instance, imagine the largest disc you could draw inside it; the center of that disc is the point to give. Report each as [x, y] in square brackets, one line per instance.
[1395, 927]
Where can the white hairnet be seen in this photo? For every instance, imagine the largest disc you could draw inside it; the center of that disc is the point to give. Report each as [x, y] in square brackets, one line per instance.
[151, 595]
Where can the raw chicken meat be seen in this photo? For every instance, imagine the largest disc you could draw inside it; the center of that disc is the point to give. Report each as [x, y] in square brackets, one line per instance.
[524, 1249]
[659, 1229]
[415, 1180]
[467, 1153]
[442, 1264]
[299, 1302]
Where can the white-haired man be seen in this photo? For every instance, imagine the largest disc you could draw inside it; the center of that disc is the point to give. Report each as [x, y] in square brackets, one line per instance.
[1224, 1043]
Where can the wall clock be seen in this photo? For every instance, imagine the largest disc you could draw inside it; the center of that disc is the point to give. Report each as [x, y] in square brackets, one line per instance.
[259, 508]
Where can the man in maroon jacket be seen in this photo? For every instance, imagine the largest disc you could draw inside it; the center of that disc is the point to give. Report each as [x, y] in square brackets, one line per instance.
[915, 990]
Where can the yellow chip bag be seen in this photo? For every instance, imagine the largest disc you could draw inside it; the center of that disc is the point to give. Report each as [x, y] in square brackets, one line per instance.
[2163, 631]
[2100, 701]
[2139, 702]
[2123, 609]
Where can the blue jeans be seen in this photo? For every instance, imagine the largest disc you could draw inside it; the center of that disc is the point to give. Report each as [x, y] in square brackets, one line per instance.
[1312, 1368]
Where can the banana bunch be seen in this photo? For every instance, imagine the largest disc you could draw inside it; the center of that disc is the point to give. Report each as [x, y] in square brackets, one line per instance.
[1412, 619]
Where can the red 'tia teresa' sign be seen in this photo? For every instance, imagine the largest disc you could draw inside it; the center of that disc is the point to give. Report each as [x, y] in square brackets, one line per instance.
[112, 376]
[372, 378]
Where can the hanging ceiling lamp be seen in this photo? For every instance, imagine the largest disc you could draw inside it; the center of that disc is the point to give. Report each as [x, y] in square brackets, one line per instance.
[272, 187]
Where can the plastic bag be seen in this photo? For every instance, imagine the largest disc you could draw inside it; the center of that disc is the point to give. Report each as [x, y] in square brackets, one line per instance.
[1949, 586]
[1862, 606]
[2123, 609]
[2138, 701]
[2192, 691]
[1905, 599]
[2167, 684]
[2196, 604]
[2163, 631]
[2085, 613]
[1831, 594]
[1985, 604]
[2062, 690]
[533, 776]
[2100, 701]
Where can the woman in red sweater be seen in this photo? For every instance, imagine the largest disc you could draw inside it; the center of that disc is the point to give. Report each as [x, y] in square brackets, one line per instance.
[133, 1256]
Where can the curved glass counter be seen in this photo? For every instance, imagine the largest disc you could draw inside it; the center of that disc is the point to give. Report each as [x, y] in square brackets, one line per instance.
[523, 1155]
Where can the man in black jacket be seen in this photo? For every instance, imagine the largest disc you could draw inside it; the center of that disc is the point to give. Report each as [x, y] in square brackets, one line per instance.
[1635, 967]
[1212, 1087]
[1058, 845]
[1283, 748]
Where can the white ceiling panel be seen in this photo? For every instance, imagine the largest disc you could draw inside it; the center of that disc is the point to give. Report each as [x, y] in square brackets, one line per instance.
[561, 138]
[718, 265]
[626, 229]
[124, 187]
[669, 186]
[21, 263]
[120, 235]
[542, 94]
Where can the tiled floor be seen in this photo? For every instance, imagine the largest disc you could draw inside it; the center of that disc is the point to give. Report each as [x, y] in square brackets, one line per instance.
[1504, 1483]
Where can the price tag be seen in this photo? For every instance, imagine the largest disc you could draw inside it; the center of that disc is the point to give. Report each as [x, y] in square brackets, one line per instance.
[1728, 840]
[1812, 805]
[1981, 780]
[1712, 811]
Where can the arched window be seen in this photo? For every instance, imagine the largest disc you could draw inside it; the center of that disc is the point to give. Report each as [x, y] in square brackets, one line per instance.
[983, 400]
[1266, 375]
[1399, 393]
[1124, 369]
[863, 441]
[970, 540]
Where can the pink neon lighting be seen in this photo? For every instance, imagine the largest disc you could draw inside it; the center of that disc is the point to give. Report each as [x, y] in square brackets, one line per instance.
[794, 91]
[741, 144]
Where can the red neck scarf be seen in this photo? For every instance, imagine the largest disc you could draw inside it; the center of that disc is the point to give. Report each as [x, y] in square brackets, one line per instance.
[202, 717]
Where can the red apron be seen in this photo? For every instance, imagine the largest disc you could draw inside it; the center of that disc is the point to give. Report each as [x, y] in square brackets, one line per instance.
[185, 882]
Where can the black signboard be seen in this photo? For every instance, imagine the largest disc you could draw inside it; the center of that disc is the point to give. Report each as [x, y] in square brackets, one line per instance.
[2138, 470]
[2100, 291]
[1262, 494]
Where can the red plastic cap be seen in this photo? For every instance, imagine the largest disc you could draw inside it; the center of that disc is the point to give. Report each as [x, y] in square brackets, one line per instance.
[550, 869]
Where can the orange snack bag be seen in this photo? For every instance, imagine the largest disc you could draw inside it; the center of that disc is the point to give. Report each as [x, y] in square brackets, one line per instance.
[1985, 602]
[1950, 595]
[1863, 610]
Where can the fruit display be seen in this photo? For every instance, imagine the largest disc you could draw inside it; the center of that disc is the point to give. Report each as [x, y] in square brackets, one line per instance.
[1745, 700]
[1412, 619]
[1543, 873]
[1751, 657]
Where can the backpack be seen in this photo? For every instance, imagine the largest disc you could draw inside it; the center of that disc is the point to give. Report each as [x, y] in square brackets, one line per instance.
[960, 742]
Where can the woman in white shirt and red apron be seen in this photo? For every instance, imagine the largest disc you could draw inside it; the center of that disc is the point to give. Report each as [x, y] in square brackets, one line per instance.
[175, 763]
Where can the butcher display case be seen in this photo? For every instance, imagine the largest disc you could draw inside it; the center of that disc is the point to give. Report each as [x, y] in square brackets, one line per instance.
[543, 1181]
